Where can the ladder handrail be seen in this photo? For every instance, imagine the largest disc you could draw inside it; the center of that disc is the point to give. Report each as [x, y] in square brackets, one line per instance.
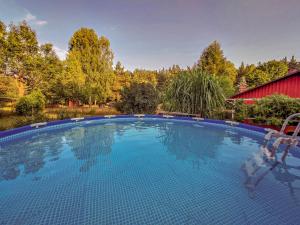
[296, 131]
[287, 121]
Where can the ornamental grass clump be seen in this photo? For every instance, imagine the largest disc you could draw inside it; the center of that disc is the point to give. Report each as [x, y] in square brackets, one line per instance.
[194, 92]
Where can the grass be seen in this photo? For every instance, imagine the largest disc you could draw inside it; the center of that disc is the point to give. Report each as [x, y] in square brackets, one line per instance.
[9, 119]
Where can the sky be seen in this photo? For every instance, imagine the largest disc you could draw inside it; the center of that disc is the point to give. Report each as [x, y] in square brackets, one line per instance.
[153, 34]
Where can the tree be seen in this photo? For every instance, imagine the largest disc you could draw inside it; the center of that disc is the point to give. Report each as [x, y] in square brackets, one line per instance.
[257, 77]
[195, 92]
[275, 69]
[122, 79]
[164, 76]
[95, 58]
[145, 76]
[139, 98]
[71, 85]
[213, 62]
[293, 64]
[8, 87]
[2, 47]
[51, 70]
[22, 47]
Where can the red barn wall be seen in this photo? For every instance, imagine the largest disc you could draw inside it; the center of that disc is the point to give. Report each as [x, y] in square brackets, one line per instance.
[289, 86]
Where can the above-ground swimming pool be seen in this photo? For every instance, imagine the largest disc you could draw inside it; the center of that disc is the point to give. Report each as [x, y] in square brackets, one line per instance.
[144, 171]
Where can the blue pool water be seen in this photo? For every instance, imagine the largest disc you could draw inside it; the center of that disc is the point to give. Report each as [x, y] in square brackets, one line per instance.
[144, 172]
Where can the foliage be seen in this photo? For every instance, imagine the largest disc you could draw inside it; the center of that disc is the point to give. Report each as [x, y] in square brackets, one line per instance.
[257, 77]
[122, 79]
[8, 87]
[213, 62]
[139, 98]
[71, 86]
[194, 92]
[263, 73]
[271, 110]
[2, 46]
[31, 104]
[145, 76]
[275, 69]
[278, 106]
[94, 57]
[293, 64]
[22, 48]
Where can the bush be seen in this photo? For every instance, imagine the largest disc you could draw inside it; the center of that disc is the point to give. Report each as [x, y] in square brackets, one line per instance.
[31, 104]
[139, 98]
[271, 110]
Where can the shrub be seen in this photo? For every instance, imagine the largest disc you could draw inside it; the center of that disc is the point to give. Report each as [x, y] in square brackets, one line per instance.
[271, 110]
[278, 106]
[139, 98]
[31, 104]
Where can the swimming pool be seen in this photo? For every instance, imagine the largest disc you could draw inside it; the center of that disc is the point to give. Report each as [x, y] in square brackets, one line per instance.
[143, 171]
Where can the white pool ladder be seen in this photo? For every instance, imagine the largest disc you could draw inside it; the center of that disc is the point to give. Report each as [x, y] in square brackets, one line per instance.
[281, 138]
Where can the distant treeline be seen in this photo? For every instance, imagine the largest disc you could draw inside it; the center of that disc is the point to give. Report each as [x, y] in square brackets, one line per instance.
[87, 74]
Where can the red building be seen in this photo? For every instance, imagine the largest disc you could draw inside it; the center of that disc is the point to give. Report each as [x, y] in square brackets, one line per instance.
[288, 85]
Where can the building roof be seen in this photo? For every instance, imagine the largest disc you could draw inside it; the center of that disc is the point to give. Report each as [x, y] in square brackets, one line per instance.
[289, 75]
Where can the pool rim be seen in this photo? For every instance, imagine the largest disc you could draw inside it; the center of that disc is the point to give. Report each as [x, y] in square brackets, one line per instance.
[14, 131]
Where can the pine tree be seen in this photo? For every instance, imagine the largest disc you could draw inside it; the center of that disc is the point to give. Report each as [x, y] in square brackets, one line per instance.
[293, 64]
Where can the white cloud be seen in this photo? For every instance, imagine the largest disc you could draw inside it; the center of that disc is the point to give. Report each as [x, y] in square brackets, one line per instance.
[61, 53]
[33, 19]
[41, 22]
[29, 17]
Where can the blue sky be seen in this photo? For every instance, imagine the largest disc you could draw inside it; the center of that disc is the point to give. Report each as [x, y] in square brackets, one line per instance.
[152, 34]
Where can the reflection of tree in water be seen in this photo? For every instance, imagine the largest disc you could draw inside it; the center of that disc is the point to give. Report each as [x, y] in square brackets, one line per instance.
[288, 175]
[182, 141]
[257, 168]
[88, 143]
[239, 138]
[29, 153]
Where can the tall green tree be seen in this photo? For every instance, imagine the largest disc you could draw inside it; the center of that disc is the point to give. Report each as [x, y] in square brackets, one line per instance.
[71, 84]
[95, 58]
[123, 79]
[51, 69]
[22, 48]
[214, 62]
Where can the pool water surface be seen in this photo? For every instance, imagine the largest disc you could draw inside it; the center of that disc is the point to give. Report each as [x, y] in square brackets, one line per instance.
[144, 171]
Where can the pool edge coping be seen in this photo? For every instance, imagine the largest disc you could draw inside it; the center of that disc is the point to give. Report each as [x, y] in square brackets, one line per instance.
[36, 126]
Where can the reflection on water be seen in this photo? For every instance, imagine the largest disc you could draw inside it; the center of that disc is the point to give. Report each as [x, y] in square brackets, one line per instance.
[88, 144]
[28, 157]
[194, 143]
[258, 167]
[183, 145]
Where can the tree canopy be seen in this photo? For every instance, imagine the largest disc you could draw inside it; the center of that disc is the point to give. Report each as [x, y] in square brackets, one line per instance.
[213, 62]
[87, 74]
